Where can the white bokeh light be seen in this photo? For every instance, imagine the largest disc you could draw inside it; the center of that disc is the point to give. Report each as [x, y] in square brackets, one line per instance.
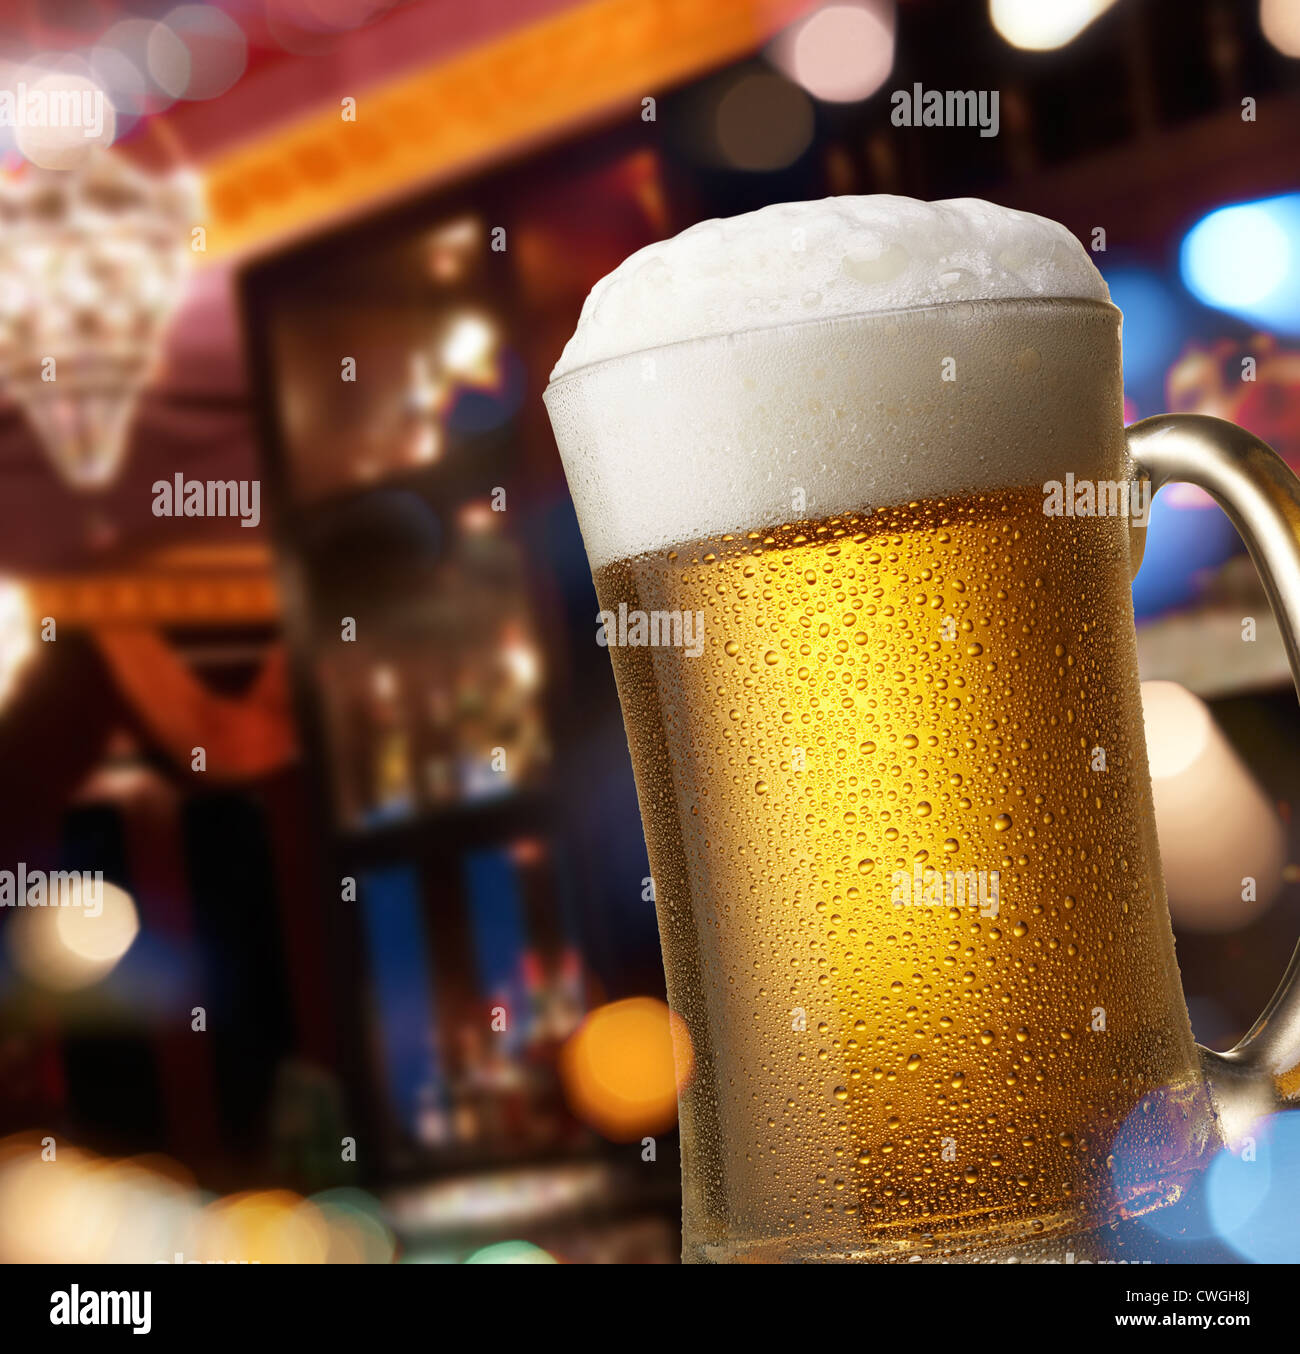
[76, 942]
[133, 39]
[841, 53]
[468, 345]
[216, 47]
[1044, 25]
[17, 637]
[63, 114]
[169, 61]
[126, 87]
[1280, 22]
[1215, 825]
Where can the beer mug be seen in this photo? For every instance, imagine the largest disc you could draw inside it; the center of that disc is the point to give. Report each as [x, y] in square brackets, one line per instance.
[864, 578]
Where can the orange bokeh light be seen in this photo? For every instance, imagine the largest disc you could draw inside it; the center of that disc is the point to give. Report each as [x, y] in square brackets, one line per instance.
[624, 1065]
[269, 1227]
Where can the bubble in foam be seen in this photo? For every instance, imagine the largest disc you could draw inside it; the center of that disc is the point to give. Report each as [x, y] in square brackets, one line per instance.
[856, 255]
[875, 263]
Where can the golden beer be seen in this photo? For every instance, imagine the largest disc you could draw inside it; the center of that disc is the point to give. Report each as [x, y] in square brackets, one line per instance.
[899, 823]
[884, 715]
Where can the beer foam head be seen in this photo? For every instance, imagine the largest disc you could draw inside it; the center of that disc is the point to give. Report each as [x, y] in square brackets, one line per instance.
[841, 256]
[890, 350]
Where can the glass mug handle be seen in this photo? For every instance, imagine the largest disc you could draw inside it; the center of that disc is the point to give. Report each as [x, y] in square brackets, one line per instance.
[1261, 495]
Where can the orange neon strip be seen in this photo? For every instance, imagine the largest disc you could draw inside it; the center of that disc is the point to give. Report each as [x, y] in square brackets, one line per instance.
[146, 599]
[524, 87]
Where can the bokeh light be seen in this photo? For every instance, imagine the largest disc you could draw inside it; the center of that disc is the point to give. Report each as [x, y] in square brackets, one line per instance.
[763, 122]
[17, 638]
[60, 1203]
[1216, 826]
[1245, 259]
[79, 117]
[215, 45]
[357, 1232]
[1152, 1158]
[46, 1206]
[1153, 329]
[1044, 25]
[1186, 535]
[169, 61]
[133, 40]
[1235, 256]
[1280, 22]
[269, 1227]
[511, 1253]
[623, 1066]
[469, 346]
[1178, 728]
[1236, 1187]
[840, 53]
[452, 248]
[77, 942]
[1250, 1195]
[125, 86]
[99, 936]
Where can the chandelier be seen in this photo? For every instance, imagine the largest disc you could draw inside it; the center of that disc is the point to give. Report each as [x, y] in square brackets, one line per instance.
[92, 264]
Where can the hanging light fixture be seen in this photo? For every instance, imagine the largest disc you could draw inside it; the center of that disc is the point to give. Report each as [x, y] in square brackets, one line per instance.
[92, 264]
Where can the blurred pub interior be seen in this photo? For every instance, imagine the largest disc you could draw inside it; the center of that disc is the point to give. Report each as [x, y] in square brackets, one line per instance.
[411, 865]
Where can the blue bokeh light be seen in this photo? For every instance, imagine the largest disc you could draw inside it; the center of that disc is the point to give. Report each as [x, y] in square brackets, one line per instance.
[1183, 541]
[1251, 1195]
[1245, 259]
[1153, 329]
